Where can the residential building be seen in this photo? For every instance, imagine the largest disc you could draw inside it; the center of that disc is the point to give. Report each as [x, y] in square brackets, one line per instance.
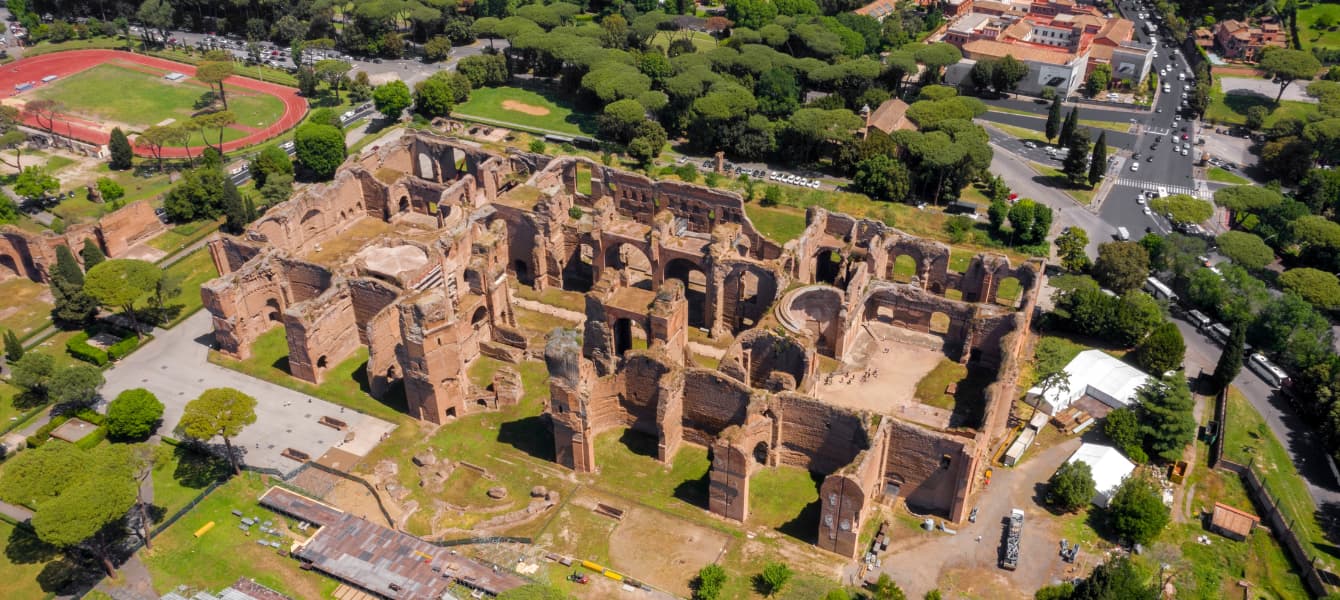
[1058, 69]
[1239, 40]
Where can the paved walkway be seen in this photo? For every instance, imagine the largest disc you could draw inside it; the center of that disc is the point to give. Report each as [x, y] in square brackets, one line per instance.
[175, 368]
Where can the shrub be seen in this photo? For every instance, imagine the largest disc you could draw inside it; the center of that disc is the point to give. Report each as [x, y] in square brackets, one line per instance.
[92, 439]
[134, 414]
[43, 433]
[79, 348]
[123, 348]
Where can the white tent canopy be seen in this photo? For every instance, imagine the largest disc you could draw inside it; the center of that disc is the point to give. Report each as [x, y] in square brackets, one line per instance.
[1109, 468]
[1093, 373]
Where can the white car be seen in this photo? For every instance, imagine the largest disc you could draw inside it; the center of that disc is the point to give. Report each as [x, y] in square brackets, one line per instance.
[1148, 212]
[1184, 152]
[1140, 200]
[1135, 166]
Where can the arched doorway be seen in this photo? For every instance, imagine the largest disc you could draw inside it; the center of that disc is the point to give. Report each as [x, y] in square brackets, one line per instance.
[904, 268]
[579, 270]
[633, 262]
[311, 222]
[1008, 291]
[480, 318]
[9, 268]
[273, 311]
[695, 288]
[321, 363]
[827, 266]
[404, 204]
[761, 453]
[522, 271]
[626, 338]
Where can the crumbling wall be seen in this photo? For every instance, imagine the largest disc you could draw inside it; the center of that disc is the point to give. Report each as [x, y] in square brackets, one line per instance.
[20, 258]
[929, 467]
[321, 333]
[712, 402]
[127, 226]
[817, 436]
[762, 359]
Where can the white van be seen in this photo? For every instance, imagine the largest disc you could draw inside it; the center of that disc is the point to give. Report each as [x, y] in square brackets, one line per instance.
[1123, 234]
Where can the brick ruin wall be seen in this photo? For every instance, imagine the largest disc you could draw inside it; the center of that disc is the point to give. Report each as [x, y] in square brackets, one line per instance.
[423, 325]
[32, 255]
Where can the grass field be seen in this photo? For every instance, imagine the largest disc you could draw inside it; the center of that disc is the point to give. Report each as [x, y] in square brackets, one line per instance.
[1117, 126]
[1055, 178]
[26, 564]
[1247, 439]
[181, 236]
[1309, 34]
[1224, 176]
[778, 223]
[220, 556]
[543, 111]
[143, 98]
[194, 270]
[345, 384]
[26, 306]
[182, 475]
[1232, 108]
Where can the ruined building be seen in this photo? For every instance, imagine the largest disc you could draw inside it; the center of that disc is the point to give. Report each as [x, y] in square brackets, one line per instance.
[409, 252]
[33, 255]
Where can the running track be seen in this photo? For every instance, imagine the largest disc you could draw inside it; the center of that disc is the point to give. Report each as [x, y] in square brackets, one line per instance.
[64, 64]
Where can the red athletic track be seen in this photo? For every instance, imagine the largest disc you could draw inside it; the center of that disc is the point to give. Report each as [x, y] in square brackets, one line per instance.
[64, 64]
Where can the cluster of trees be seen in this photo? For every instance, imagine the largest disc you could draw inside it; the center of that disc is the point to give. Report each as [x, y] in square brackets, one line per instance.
[206, 192]
[1028, 221]
[82, 500]
[40, 383]
[1160, 426]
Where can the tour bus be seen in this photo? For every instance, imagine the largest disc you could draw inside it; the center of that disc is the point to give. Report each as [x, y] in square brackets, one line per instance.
[1271, 374]
[1159, 290]
[1198, 319]
[1219, 333]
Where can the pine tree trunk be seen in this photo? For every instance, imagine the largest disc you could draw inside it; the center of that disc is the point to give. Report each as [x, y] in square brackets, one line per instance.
[232, 459]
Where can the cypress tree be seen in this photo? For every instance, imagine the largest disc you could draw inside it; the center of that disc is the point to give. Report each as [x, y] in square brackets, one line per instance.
[1054, 119]
[233, 209]
[91, 254]
[13, 347]
[1230, 360]
[1068, 128]
[123, 155]
[1098, 164]
[73, 306]
[250, 208]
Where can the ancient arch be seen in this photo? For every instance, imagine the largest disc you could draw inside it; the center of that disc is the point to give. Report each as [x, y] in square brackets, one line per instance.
[9, 268]
[749, 291]
[695, 288]
[522, 270]
[633, 262]
[311, 222]
[625, 338]
[273, 310]
[827, 266]
[579, 271]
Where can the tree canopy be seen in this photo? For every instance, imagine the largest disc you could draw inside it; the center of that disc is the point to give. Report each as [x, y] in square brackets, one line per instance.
[133, 414]
[222, 412]
[1245, 249]
[1121, 266]
[1071, 487]
[1136, 512]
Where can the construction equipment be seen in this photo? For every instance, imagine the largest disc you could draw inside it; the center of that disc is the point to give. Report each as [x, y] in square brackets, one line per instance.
[1015, 531]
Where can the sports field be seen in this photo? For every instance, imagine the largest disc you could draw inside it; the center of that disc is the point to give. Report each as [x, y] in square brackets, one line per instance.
[140, 98]
[102, 89]
[525, 108]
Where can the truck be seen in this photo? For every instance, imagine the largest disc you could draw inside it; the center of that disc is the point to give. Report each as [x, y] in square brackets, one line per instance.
[1015, 531]
[1123, 234]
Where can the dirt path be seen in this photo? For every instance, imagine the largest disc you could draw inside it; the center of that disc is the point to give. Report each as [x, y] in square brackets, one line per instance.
[921, 561]
[578, 318]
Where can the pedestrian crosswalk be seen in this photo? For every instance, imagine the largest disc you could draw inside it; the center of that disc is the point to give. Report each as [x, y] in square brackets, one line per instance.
[1172, 189]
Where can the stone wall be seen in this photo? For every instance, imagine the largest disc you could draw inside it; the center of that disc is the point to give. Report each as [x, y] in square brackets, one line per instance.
[32, 255]
[423, 317]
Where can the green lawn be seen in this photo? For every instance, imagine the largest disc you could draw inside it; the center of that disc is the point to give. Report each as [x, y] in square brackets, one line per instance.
[487, 103]
[1309, 35]
[1225, 176]
[1232, 108]
[224, 553]
[143, 98]
[780, 224]
[1055, 178]
[780, 495]
[194, 270]
[26, 307]
[1022, 133]
[703, 41]
[182, 475]
[1117, 126]
[345, 384]
[1247, 439]
[26, 564]
[181, 236]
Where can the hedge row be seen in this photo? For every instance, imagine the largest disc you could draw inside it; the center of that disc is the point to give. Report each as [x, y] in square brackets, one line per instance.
[43, 433]
[79, 348]
[122, 348]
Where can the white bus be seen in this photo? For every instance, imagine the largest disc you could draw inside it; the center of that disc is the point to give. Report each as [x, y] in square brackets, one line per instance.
[1159, 290]
[1271, 374]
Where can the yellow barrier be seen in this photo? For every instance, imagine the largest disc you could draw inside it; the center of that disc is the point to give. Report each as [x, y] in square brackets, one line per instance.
[203, 530]
[593, 566]
[613, 575]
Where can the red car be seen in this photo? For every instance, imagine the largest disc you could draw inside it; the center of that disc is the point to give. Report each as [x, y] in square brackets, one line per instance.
[1013, 196]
